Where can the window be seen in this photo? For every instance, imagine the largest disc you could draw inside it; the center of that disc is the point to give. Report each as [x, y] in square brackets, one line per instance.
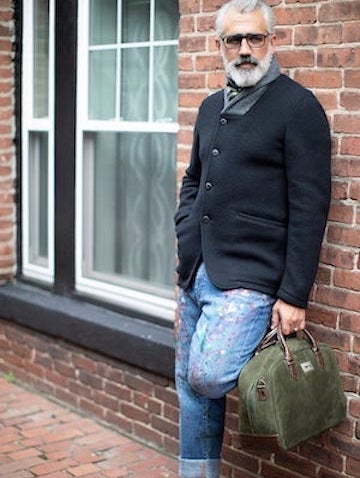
[125, 151]
[38, 141]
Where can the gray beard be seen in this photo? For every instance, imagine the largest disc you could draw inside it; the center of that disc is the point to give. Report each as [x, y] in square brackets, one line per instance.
[244, 78]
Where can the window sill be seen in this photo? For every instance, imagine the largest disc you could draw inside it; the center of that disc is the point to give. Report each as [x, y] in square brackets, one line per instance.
[137, 342]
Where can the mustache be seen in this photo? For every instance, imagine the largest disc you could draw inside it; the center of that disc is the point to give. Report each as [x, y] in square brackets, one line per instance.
[245, 59]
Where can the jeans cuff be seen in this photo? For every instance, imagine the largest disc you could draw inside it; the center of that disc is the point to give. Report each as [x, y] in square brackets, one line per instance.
[203, 468]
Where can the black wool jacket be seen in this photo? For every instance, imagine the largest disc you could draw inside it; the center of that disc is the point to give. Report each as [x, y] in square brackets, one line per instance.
[255, 197]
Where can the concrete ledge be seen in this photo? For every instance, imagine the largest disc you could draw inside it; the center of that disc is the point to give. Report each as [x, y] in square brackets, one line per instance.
[135, 341]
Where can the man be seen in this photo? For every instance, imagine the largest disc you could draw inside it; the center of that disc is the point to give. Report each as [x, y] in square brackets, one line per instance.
[252, 213]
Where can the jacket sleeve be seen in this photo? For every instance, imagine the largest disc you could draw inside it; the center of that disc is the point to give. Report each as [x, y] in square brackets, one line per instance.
[190, 183]
[308, 170]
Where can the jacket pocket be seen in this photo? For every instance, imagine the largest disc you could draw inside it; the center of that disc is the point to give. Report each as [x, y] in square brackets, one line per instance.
[261, 220]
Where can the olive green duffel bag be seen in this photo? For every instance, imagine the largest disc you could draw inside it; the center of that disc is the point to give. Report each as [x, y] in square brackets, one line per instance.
[289, 391]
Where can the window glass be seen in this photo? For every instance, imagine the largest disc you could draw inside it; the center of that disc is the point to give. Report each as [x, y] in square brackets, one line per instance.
[103, 22]
[38, 198]
[135, 84]
[135, 20]
[131, 199]
[40, 58]
[166, 19]
[102, 84]
[165, 84]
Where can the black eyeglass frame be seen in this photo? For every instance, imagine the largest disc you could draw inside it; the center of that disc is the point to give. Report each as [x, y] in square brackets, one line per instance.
[239, 37]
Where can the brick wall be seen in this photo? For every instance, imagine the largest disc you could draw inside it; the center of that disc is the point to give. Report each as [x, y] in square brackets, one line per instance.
[318, 46]
[137, 402]
[7, 150]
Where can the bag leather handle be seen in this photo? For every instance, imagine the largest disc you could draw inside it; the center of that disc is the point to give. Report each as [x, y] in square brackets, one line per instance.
[276, 336]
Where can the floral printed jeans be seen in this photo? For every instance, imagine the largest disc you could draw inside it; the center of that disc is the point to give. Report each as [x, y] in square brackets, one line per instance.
[217, 332]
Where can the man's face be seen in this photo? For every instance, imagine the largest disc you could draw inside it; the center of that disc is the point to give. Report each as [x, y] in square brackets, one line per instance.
[246, 65]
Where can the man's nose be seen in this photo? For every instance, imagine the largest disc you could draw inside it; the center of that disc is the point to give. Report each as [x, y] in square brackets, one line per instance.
[244, 48]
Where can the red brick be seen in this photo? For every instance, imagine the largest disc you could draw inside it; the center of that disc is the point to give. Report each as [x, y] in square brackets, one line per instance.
[322, 456]
[216, 80]
[295, 463]
[208, 62]
[351, 32]
[270, 470]
[350, 100]
[318, 35]
[338, 298]
[352, 78]
[344, 167]
[283, 36]
[343, 445]
[339, 11]
[148, 433]
[192, 81]
[326, 473]
[338, 57]
[354, 192]
[319, 78]
[350, 322]
[347, 123]
[354, 407]
[353, 466]
[135, 413]
[189, 6]
[187, 24]
[83, 470]
[295, 16]
[350, 146]
[290, 59]
[343, 213]
[347, 279]
[328, 99]
[211, 5]
[340, 189]
[344, 236]
[321, 316]
[193, 44]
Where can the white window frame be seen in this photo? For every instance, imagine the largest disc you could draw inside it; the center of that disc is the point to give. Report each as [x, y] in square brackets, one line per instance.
[30, 124]
[129, 298]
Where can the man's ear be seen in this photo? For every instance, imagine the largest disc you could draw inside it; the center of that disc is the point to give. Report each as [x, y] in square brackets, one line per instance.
[273, 41]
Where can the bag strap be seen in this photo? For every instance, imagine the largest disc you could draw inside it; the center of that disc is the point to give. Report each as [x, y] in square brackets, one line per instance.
[276, 336]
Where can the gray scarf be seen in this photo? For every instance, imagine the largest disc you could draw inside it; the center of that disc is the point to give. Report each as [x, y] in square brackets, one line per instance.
[247, 97]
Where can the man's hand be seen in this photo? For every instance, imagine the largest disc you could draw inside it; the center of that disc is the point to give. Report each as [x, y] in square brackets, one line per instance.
[290, 317]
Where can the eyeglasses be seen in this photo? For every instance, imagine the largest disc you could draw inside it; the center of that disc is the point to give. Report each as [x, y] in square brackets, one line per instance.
[254, 40]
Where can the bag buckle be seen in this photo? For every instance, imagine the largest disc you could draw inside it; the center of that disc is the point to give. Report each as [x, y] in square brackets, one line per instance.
[261, 390]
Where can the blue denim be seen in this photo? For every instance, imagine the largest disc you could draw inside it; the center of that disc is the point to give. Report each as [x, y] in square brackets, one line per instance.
[216, 334]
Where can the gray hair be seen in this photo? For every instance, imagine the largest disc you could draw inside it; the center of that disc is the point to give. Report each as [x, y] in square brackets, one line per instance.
[245, 6]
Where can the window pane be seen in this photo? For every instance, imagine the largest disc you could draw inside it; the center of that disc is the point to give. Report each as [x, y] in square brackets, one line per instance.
[41, 58]
[166, 19]
[135, 20]
[103, 15]
[165, 84]
[135, 84]
[102, 81]
[38, 198]
[129, 205]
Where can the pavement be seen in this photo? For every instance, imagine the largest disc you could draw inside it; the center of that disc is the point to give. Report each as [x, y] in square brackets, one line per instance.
[41, 438]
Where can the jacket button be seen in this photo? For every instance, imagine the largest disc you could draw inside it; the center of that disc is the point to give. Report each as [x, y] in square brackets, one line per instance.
[206, 219]
[215, 152]
[223, 121]
[208, 186]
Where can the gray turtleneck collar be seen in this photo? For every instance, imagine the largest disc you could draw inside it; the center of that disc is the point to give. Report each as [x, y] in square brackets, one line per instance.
[247, 97]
